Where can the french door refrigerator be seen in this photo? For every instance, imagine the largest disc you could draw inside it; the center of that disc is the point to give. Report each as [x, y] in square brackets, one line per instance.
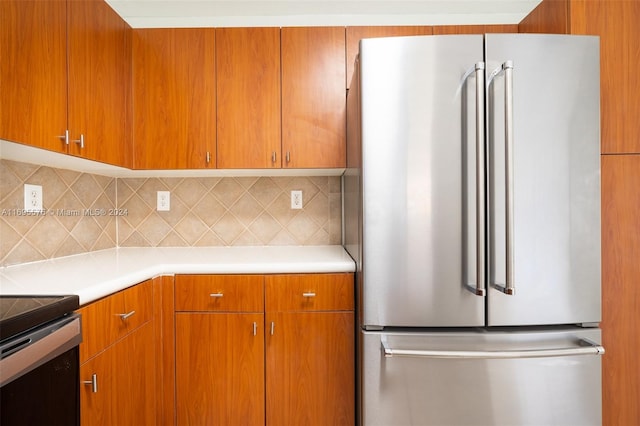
[472, 210]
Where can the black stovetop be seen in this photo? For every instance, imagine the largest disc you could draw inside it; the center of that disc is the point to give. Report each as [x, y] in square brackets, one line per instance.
[20, 313]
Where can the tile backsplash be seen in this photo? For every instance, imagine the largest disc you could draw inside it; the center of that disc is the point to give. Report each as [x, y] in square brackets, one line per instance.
[86, 212]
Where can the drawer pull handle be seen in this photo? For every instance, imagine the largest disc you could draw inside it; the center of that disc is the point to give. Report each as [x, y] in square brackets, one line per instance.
[124, 317]
[308, 294]
[216, 295]
[93, 382]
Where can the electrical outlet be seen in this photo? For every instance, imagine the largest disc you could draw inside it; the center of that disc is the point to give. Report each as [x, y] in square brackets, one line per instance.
[296, 200]
[164, 201]
[32, 198]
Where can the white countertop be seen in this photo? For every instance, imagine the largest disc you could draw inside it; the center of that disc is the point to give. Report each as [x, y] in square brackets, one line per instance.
[98, 274]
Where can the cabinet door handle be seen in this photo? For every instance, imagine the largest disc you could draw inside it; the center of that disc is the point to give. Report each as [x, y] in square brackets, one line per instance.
[65, 137]
[255, 328]
[273, 157]
[216, 294]
[273, 325]
[93, 382]
[308, 294]
[80, 141]
[288, 156]
[126, 316]
[208, 157]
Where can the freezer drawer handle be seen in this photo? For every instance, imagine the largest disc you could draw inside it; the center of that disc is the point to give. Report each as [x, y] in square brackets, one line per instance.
[586, 347]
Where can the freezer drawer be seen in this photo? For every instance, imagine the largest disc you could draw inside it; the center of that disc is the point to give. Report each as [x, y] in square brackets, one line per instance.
[481, 378]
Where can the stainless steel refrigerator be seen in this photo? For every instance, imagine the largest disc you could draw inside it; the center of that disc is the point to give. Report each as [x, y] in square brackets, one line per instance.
[472, 210]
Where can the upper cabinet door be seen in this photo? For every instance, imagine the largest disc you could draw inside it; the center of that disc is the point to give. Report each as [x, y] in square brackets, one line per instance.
[99, 83]
[174, 98]
[313, 97]
[248, 88]
[33, 72]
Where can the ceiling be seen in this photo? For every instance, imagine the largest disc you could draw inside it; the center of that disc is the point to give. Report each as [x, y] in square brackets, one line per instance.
[247, 13]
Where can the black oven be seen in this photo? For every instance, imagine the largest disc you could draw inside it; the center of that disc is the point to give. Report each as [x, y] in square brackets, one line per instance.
[39, 363]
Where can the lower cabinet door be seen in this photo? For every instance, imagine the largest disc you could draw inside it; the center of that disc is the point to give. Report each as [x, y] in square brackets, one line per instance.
[220, 368]
[118, 385]
[310, 368]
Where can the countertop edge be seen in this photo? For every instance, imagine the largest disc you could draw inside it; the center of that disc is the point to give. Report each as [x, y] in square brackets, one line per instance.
[98, 274]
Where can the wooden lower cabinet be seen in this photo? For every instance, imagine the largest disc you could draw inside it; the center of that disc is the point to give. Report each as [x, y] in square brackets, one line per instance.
[124, 376]
[220, 368]
[118, 360]
[310, 369]
[285, 357]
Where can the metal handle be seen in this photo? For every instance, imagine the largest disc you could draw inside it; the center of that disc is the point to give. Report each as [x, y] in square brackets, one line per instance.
[590, 349]
[481, 287]
[508, 153]
[80, 141]
[308, 294]
[273, 157]
[65, 137]
[208, 157]
[124, 317]
[93, 382]
[216, 294]
[273, 325]
[255, 328]
[288, 157]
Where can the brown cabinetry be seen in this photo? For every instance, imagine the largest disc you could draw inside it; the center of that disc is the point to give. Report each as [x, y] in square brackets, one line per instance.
[66, 68]
[174, 98]
[310, 353]
[620, 291]
[281, 97]
[219, 349]
[313, 97]
[117, 359]
[248, 90]
[223, 339]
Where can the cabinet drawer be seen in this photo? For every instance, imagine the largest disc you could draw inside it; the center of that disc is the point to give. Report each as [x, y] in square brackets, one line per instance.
[220, 293]
[107, 320]
[309, 292]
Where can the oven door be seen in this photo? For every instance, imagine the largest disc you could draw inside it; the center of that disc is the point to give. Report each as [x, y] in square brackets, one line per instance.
[39, 375]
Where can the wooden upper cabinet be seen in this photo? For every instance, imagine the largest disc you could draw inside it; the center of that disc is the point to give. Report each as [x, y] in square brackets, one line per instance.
[99, 50]
[355, 34]
[66, 65]
[313, 97]
[33, 72]
[248, 90]
[616, 22]
[548, 17]
[174, 77]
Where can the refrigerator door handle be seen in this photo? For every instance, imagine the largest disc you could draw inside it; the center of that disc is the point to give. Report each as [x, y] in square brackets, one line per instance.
[586, 347]
[507, 67]
[481, 288]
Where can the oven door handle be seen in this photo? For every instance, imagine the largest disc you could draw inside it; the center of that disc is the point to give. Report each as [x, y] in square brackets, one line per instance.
[38, 347]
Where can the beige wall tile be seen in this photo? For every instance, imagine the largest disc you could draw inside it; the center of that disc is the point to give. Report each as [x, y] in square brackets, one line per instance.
[204, 212]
